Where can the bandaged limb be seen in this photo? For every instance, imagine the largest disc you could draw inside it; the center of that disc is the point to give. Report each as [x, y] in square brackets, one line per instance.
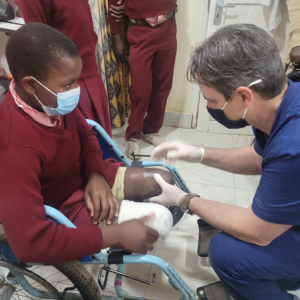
[138, 183]
[162, 222]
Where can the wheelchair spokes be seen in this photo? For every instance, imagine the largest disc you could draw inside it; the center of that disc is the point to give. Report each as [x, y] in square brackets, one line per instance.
[18, 283]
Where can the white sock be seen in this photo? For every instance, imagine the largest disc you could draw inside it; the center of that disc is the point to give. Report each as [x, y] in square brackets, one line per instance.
[162, 222]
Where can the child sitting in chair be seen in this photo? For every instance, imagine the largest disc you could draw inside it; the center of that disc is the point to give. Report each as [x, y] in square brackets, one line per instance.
[49, 155]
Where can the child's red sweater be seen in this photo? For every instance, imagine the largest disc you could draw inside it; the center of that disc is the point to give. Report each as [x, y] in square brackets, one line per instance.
[46, 166]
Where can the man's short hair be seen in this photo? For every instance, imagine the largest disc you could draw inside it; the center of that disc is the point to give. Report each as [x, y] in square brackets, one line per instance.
[236, 55]
[34, 48]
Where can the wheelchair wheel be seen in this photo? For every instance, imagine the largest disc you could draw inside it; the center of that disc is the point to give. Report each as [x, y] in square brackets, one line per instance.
[18, 283]
[72, 281]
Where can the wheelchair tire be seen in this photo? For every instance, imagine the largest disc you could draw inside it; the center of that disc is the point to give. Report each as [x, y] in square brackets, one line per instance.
[11, 290]
[81, 278]
[74, 271]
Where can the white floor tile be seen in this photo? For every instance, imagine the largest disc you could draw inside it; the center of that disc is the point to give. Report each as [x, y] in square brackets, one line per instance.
[207, 140]
[180, 250]
[120, 131]
[246, 182]
[119, 140]
[297, 293]
[244, 198]
[170, 133]
[212, 192]
[216, 127]
[199, 173]
[187, 224]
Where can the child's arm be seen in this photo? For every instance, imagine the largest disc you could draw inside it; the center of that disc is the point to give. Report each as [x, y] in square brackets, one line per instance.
[22, 213]
[35, 10]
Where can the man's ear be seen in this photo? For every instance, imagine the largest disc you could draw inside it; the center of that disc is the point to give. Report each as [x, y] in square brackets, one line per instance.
[246, 94]
[29, 85]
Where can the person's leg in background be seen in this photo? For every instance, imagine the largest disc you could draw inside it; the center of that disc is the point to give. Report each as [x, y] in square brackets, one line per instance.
[143, 45]
[251, 272]
[162, 78]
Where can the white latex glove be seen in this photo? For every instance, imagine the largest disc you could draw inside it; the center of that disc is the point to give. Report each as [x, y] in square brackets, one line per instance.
[170, 194]
[178, 150]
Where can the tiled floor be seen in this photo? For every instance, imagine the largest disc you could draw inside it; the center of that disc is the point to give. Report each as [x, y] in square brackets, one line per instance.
[180, 246]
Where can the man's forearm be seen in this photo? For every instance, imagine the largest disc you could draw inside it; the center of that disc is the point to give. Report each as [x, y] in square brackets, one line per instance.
[242, 160]
[236, 221]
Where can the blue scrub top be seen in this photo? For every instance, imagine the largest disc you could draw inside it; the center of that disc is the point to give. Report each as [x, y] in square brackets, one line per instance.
[277, 199]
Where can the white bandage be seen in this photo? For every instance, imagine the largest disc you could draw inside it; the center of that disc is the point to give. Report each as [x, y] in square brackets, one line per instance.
[162, 222]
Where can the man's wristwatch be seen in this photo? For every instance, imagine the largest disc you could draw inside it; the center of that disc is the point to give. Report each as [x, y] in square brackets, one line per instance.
[185, 203]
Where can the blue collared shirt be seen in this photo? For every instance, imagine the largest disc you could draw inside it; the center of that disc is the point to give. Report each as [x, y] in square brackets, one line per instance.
[277, 199]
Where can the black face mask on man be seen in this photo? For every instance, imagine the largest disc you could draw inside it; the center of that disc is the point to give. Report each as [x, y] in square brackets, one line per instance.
[219, 116]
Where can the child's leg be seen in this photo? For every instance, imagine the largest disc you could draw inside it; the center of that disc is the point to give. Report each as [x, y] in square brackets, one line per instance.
[74, 209]
[162, 222]
[138, 183]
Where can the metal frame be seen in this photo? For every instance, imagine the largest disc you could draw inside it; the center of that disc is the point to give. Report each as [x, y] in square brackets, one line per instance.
[174, 278]
[128, 163]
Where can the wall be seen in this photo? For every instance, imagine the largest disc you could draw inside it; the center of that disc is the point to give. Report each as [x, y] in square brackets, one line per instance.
[187, 36]
[241, 13]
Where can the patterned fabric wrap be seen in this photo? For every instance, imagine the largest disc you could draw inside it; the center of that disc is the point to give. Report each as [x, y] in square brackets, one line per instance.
[116, 76]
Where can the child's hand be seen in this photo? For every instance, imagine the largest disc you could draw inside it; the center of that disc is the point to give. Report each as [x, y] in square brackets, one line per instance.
[118, 11]
[133, 236]
[99, 200]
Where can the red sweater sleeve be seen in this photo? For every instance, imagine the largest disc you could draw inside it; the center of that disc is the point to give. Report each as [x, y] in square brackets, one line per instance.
[115, 27]
[22, 213]
[91, 157]
[35, 10]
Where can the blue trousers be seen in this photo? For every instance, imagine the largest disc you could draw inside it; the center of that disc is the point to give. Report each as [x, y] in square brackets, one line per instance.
[251, 272]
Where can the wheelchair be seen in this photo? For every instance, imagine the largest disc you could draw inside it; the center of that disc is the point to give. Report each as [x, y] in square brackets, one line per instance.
[72, 280]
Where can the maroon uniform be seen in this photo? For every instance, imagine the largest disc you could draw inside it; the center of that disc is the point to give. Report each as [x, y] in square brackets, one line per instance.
[43, 165]
[75, 21]
[152, 59]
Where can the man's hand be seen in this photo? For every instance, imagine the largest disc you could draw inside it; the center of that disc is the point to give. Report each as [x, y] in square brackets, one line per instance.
[119, 47]
[178, 150]
[170, 194]
[3, 74]
[118, 11]
[295, 55]
[132, 236]
[99, 200]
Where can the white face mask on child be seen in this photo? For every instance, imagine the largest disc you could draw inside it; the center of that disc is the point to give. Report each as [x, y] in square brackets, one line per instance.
[66, 101]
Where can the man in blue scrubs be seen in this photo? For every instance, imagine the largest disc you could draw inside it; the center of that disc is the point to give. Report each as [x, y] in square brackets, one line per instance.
[240, 74]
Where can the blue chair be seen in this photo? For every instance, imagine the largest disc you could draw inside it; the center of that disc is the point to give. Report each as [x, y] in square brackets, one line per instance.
[21, 277]
[111, 150]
